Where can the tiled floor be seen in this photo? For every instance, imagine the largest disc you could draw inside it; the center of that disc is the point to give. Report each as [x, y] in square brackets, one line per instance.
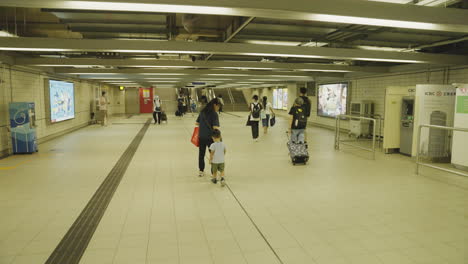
[340, 208]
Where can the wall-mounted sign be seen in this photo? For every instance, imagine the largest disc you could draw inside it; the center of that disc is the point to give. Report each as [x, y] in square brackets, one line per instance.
[462, 104]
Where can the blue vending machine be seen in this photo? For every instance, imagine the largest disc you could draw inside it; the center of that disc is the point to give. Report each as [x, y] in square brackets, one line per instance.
[23, 127]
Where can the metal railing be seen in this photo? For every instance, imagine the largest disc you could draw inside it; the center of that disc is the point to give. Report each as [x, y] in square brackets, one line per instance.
[418, 157]
[339, 141]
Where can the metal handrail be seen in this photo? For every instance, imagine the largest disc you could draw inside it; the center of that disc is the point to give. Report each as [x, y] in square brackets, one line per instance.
[338, 132]
[419, 163]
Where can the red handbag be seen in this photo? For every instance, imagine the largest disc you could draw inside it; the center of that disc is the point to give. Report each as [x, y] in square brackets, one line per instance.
[195, 139]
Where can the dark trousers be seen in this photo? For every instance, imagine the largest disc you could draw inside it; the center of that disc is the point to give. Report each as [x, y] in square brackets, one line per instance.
[254, 129]
[203, 144]
[157, 117]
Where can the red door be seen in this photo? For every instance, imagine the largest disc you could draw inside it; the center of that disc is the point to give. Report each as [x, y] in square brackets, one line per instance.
[146, 100]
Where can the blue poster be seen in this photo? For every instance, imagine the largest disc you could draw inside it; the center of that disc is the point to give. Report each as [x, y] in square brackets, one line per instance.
[62, 101]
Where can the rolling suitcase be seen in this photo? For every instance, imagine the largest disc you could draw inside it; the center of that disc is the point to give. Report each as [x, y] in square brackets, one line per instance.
[298, 152]
[163, 117]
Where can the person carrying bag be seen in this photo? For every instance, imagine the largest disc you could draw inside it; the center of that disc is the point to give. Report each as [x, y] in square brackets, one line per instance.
[207, 121]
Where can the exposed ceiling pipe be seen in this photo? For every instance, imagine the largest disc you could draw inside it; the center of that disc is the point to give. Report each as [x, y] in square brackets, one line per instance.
[239, 29]
[436, 44]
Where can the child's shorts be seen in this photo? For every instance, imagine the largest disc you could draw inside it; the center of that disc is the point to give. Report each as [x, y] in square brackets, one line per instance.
[215, 167]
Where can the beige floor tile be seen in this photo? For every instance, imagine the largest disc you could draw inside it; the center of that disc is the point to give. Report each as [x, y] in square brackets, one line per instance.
[229, 259]
[28, 259]
[393, 256]
[12, 247]
[295, 256]
[6, 259]
[261, 257]
[101, 256]
[130, 255]
[196, 260]
[104, 242]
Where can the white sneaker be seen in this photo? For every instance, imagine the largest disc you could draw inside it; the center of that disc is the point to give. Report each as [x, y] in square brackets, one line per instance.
[201, 174]
[256, 140]
[223, 182]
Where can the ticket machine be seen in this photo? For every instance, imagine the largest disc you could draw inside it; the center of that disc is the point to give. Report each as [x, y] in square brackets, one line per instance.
[407, 125]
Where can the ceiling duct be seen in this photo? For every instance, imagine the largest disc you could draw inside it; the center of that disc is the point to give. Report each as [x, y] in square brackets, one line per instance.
[191, 23]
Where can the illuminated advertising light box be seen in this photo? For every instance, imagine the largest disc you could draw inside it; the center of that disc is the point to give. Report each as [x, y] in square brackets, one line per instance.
[62, 101]
[332, 99]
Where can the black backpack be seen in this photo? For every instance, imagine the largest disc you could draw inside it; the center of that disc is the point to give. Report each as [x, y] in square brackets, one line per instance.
[300, 117]
[256, 110]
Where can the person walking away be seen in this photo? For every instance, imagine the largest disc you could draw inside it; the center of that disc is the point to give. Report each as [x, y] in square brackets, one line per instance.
[193, 105]
[203, 102]
[157, 110]
[255, 110]
[221, 101]
[298, 121]
[207, 121]
[103, 108]
[267, 112]
[307, 106]
[180, 105]
[217, 153]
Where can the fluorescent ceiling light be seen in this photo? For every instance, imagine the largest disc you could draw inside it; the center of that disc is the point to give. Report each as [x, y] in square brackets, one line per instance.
[4, 33]
[279, 43]
[140, 7]
[119, 81]
[389, 60]
[164, 81]
[64, 65]
[161, 51]
[283, 55]
[373, 21]
[162, 78]
[152, 66]
[266, 80]
[93, 73]
[435, 2]
[248, 82]
[35, 49]
[289, 76]
[219, 74]
[379, 48]
[246, 68]
[209, 79]
[163, 73]
[314, 44]
[393, 1]
[314, 70]
[107, 78]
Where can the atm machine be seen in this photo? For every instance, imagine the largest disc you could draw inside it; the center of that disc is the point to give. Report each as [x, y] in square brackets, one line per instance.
[23, 127]
[407, 126]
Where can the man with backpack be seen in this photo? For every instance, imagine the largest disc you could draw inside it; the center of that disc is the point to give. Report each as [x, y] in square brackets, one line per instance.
[306, 105]
[298, 121]
[254, 119]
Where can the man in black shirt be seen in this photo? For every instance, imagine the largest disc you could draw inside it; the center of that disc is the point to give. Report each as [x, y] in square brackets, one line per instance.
[306, 105]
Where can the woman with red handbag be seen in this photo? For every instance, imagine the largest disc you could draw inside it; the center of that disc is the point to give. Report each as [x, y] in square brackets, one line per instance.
[207, 121]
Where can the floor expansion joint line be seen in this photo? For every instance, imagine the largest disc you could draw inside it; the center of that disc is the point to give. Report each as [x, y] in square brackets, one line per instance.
[73, 245]
[255, 225]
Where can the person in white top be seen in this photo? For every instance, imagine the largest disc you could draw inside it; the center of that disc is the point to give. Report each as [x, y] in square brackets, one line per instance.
[255, 112]
[267, 112]
[103, 108]
[157, 109]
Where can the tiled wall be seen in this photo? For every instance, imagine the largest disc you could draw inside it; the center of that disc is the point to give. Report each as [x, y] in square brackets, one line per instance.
[26, 85]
